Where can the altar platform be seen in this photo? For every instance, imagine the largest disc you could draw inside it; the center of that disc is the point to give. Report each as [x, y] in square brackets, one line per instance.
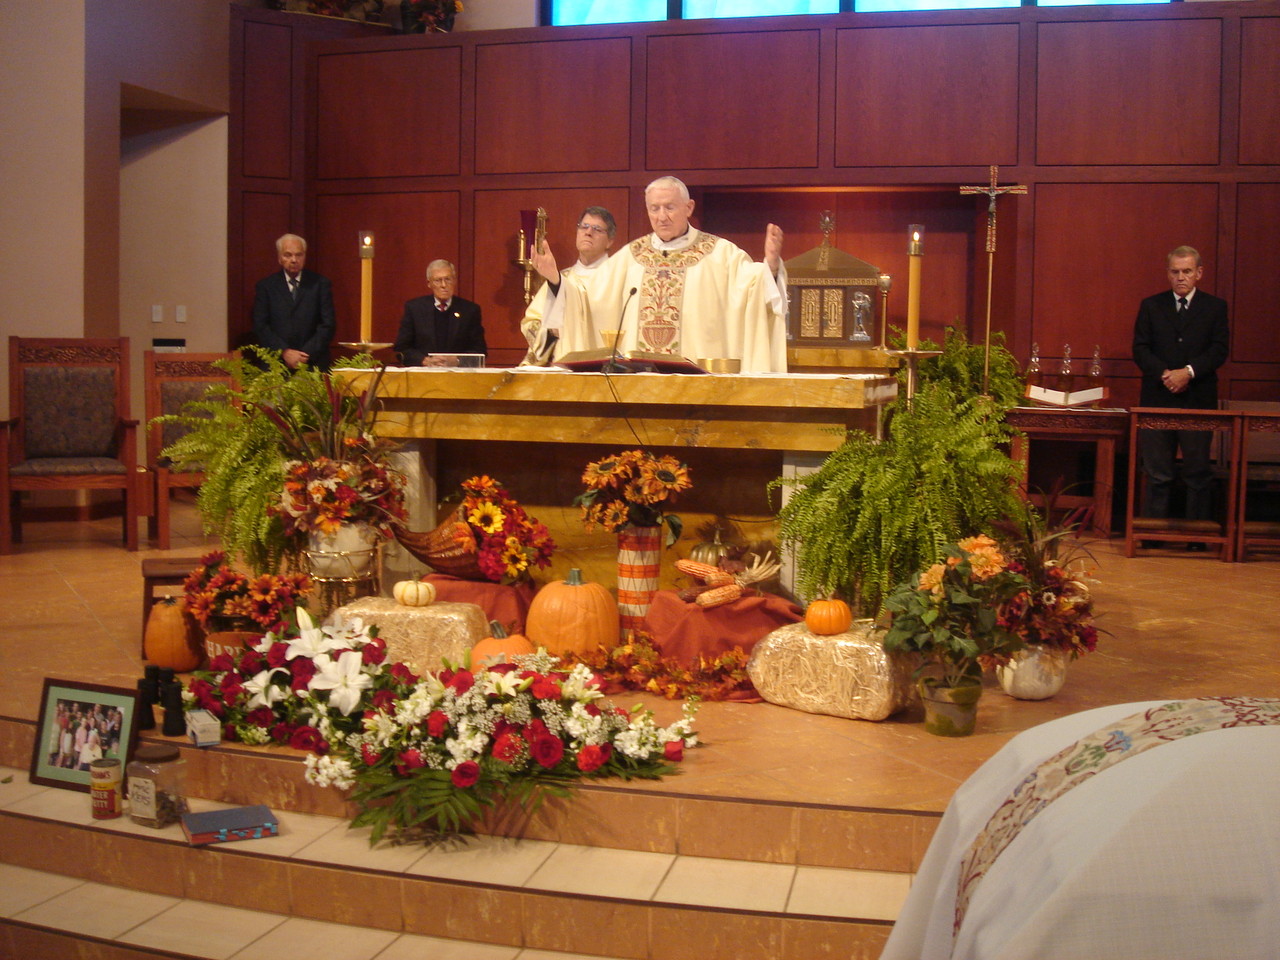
[775, 799]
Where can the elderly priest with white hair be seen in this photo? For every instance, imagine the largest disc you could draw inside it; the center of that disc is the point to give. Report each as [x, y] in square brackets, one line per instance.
[678, 291]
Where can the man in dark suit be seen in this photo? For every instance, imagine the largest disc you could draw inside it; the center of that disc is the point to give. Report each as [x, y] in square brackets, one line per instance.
[439, 322]
[293, 309]
[1180, 339]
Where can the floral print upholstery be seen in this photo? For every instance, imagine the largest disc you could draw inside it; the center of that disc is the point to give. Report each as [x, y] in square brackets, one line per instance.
[69, 412]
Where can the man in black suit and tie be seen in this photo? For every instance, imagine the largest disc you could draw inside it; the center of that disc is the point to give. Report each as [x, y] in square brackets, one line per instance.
[1180, 339]
[439, 322]
[293, 309]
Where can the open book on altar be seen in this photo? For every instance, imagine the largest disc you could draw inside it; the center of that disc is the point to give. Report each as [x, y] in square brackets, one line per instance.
[636, 361]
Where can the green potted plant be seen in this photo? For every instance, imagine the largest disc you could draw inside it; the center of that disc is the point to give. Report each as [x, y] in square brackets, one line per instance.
[953, 615]
[243, 433]
[879, 509]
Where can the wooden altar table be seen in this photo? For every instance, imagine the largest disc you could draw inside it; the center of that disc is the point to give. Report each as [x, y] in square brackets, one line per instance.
[783, 412]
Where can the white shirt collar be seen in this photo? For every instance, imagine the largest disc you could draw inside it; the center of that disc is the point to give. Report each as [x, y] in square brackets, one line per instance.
[679, 243]
[1190, 294]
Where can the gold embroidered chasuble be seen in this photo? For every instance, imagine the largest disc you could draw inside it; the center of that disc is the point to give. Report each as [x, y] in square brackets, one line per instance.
[707, 299]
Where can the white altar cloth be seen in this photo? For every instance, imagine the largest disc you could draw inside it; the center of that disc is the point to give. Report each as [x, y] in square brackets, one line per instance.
[1174, 852]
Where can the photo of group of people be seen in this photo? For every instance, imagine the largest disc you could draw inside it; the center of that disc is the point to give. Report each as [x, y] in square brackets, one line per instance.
[83, 732]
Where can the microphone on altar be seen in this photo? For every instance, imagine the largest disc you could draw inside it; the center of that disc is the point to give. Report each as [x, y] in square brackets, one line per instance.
[614, 364]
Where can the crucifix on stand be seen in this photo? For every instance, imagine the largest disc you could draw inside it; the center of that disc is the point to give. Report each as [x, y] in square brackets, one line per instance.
[992, 191]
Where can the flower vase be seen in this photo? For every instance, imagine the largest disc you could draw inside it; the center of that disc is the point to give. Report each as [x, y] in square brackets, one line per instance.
[347, 554]
[231, 642]
[1036, 672]
[950, 711]
[639, 564]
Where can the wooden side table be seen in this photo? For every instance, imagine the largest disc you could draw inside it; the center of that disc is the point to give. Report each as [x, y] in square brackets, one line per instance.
[1104, 428]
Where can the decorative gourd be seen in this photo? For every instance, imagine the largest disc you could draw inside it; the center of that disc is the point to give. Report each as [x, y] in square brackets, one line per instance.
[414, 593]
[709, 552]
[828, 617]
[573, 616]
[171, 638]
[499, 647]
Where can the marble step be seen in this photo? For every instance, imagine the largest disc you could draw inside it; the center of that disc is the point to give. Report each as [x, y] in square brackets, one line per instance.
[514, 894]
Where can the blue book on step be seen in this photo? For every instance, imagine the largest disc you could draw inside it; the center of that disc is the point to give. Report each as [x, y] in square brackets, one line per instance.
[236, 823]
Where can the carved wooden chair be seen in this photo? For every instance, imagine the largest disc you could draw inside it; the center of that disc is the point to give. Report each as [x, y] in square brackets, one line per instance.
[173, 379]
[69, 426]
[1224, 423]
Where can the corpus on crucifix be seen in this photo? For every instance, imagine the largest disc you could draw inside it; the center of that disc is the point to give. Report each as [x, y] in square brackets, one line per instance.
[992, 191]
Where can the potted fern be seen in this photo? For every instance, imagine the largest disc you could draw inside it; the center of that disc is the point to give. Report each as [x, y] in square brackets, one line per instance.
[235, 436]
[877, 511]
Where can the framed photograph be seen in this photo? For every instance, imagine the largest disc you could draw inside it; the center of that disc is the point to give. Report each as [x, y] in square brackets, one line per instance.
[79, 723]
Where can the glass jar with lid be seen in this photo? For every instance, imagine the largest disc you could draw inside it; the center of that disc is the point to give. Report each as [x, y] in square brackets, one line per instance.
[157, 785]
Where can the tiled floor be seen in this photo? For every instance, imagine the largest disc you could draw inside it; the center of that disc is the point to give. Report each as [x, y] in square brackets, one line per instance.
[1179, 625]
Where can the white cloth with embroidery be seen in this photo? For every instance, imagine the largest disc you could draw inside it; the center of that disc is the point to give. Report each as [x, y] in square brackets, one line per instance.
[698, 297]
[1174, 852]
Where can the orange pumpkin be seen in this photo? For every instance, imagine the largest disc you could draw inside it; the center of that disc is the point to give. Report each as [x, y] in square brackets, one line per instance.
[499, 647]
[573, 616]
[171, 638]
[828, 617]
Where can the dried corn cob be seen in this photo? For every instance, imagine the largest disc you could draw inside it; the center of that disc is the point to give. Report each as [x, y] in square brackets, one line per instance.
[718, 595]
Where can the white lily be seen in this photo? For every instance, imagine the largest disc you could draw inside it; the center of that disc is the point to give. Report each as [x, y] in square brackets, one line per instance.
[264, 693]
[343, 678]
[312, 641]
[501, 684]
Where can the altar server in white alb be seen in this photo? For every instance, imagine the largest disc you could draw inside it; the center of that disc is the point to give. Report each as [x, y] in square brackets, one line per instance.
[542, 319]
[679, 291]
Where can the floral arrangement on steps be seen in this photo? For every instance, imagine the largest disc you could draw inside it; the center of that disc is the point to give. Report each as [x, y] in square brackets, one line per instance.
[488, 536]
[430, 753]
[221, 598]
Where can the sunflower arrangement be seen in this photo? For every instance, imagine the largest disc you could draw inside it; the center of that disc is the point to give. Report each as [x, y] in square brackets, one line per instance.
[221, 598]
[506, 540]
[633, 487]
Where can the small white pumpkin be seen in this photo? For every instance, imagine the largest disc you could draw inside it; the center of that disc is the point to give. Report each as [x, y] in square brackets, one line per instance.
[414, 593]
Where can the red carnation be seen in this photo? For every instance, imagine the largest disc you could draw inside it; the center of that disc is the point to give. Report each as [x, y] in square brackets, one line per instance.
[410, 759]
[545, 688]
[593, 757]
[222, 663]
[461, 682]
[373, 652]
[546, 750]
[508, 747]
[466, 774]
[437, 723]
[384, 700]
[308, 738]
[261, 717]
[276, 655]
[673, 750]
[402, 674]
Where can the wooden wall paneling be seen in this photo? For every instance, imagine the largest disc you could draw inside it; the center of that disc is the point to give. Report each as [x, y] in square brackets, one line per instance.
[410, 230]
[1255, 317]
[1100, 248]
[389, 113]
[1121, 92]
[732, 100]
[265, 107]
[927, 96]
[1260, 90]
[264, 216]
[871, 225]
[553, 107]
[499, 283]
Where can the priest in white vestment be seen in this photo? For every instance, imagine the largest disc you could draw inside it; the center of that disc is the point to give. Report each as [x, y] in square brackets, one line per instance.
[679, 291]
[542, 319]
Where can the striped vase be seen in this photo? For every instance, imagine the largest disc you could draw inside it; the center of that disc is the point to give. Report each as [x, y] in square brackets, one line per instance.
[639, 563]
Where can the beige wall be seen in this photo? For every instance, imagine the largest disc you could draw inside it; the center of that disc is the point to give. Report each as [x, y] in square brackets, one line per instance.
[173, 239]
[42, 169]
[497, 14]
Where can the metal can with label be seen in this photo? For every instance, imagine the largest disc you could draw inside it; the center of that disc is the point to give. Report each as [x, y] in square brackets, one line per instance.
[104, 788]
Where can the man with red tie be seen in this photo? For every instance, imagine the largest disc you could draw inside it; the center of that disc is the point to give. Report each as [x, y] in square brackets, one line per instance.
[1180, 339]
[439, 323]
